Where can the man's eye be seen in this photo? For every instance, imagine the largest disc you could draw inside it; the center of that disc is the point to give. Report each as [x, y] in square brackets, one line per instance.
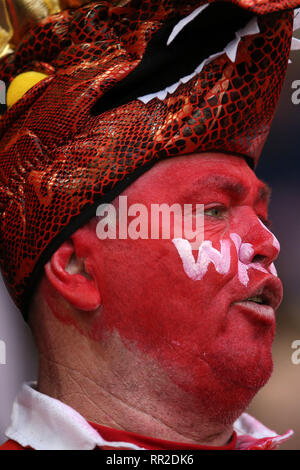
[216, 212]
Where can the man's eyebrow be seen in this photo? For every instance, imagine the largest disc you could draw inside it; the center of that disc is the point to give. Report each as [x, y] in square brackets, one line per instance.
[264, 193]
[221, 182]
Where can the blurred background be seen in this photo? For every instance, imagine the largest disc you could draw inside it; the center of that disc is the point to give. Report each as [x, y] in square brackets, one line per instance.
[278, 404]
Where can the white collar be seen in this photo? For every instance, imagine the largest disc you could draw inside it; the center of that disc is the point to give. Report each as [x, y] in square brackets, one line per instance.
[44, 423]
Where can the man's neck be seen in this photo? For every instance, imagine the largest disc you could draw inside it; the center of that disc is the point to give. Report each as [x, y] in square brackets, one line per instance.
[111, 383]
[138, 399]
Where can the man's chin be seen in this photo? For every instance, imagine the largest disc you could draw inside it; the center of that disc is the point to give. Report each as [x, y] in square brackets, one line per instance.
[252, 377]
[242, 355]
[243, 374]
[236, 384]
[226, 388]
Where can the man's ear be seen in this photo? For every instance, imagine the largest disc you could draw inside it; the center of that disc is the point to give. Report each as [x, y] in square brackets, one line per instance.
[68, 275]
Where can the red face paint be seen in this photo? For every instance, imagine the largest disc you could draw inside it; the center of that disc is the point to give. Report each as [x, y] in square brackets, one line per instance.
[195, 330]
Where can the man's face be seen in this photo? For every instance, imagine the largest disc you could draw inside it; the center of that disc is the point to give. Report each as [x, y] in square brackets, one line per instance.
[201, 332]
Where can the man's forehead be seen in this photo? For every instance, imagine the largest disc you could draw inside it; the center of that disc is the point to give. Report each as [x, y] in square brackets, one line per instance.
[190, 175]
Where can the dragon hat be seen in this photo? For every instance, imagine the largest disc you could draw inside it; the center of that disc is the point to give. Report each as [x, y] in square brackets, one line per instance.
[121, 86]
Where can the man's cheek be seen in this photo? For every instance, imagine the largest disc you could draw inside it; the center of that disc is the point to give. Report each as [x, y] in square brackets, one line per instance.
[215, 231]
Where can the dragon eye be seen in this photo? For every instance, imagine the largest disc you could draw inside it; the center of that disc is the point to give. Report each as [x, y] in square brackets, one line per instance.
[21, 84]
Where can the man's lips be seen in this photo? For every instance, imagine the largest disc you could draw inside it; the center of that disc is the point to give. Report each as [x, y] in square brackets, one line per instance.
[262, 300]
[261, 312]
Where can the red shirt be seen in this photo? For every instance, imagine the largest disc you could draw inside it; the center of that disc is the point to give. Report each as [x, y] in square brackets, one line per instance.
[148, 443]
[44, 423]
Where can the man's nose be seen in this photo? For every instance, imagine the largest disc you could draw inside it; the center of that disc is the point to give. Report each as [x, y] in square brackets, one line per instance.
[264, 248]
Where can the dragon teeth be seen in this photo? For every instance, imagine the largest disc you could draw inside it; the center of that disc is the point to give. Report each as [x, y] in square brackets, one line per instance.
[230, 50]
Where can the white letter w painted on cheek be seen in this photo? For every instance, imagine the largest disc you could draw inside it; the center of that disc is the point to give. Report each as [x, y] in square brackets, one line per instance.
[221, 259]
[206, 255]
